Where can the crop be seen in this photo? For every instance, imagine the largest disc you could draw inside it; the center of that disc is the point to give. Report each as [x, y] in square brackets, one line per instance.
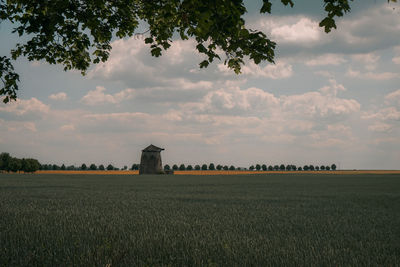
[237, 220]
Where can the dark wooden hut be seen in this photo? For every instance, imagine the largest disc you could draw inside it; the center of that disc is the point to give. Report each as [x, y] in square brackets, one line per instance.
[150, 162]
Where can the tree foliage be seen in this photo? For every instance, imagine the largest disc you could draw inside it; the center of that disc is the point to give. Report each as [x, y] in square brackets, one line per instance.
[77, 33]
[8, 163]
[110, 167]
[93, 167]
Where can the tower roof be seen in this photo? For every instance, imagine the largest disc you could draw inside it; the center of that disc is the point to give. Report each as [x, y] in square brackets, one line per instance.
[152, 148]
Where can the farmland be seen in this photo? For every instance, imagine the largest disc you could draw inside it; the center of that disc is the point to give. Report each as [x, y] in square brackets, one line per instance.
[231, 220]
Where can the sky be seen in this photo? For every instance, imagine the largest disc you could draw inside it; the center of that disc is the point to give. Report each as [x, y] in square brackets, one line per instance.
[330, 98]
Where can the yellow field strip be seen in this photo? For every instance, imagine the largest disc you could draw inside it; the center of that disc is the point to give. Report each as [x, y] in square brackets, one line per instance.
[216, 172]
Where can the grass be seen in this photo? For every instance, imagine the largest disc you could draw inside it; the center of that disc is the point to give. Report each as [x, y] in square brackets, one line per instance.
[238, 220]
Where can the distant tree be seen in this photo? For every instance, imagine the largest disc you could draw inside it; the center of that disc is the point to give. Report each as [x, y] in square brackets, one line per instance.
[135, 167]
[14, 164]
[101, 167]
[211, 166]
[175, 167]
[317, 168]
[299, 169]
[204, 167]
[270, 168]
[182, 167]
[282, 167]
[189, 167]
[226, 168]
[116, 169]
[311, 167]
[45, 167]
[258, 167]
[288, 167]
[333, 167]
[322, 168]
[110, 167]
[232, 168]
[83, 167]
[30, 165]
[24, 165]
[276, 167]
[219, 167]
[327, 168]
[55, 167]
[264, 167]
[63, 167]
[197, 167]
[93, 167]
[294, 167]
[306, 168]
[125, 167]
[4, 161]
[251, 168]
[166, 167]
[71, 168]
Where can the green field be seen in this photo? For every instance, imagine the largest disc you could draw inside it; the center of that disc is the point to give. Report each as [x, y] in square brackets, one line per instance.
[258, 220]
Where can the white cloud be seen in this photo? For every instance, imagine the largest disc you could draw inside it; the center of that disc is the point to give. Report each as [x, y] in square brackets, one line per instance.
[369, 60]
[364, 32]
[316, 105]
[333, 88]
[326, 59]
[324, 73]
[234, 100]
[97, 96]
[396, 58]
[262, 104]
[280, 70]
[380, 127]
[22, 107]
[302, 30]
[371, 75]
[122, 117]
[393, 98]
[30, 126]
[59, 96]
[390, 113]
[67, 127]
[131, 62]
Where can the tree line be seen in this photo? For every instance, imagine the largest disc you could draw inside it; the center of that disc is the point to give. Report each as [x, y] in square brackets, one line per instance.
[83, 167]
[29, 165]
[256, 167]
[12, 164]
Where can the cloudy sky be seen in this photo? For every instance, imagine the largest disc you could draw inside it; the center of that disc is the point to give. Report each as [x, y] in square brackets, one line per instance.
[330, 98]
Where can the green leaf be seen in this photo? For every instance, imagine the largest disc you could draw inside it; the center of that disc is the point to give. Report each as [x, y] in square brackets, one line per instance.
[328, 24]
[204, 64]
[266, 7]
[148, 40]
[156, 52]
[201, 48]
